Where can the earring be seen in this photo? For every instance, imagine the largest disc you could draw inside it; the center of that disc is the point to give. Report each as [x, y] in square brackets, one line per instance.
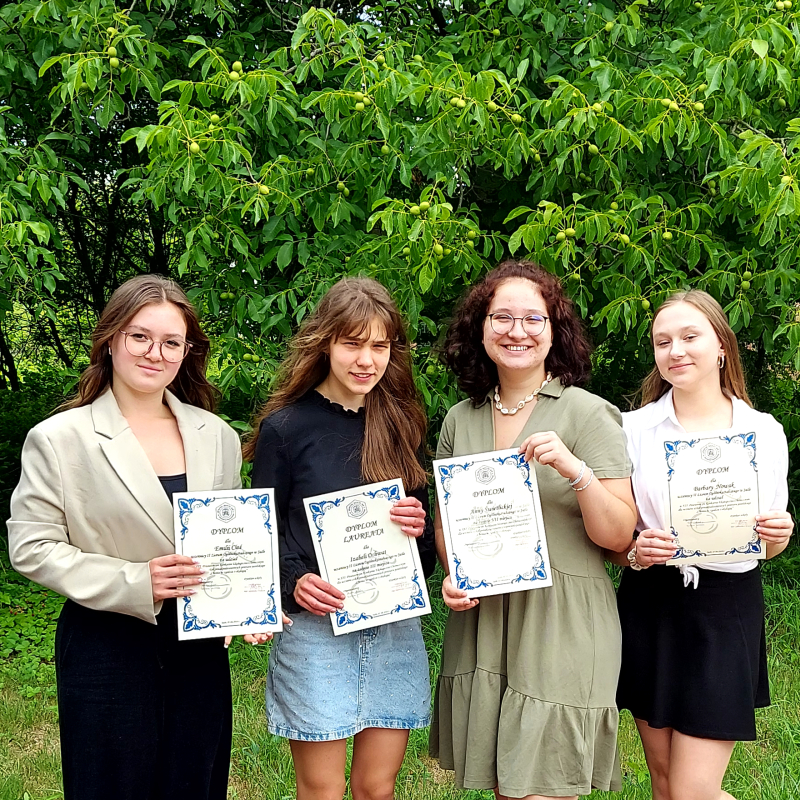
[721, 360]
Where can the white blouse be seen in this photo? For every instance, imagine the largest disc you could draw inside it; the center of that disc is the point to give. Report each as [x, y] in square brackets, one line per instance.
[649, 427]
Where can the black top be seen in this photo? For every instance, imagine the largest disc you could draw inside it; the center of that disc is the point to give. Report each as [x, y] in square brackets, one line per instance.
[308, 448]
[173, 483]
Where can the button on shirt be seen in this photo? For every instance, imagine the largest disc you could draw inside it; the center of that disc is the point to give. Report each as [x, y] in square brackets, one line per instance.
[649, 427]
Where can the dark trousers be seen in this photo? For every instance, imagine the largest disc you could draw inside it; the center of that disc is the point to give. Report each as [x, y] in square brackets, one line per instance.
[142, 716]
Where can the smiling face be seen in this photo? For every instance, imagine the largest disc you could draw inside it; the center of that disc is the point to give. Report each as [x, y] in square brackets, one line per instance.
[148, 373]
[356, 366]
[518, 350]
[686, 347]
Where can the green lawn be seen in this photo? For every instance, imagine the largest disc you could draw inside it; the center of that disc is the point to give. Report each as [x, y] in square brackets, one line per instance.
[768, 769]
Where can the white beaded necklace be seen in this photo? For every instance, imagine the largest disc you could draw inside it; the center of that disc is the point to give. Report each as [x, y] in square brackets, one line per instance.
[511, 411]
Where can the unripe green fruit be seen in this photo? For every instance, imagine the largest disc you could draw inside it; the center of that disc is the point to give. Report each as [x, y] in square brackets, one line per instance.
[702, 87]
[414, 210]
[472, 235]
[779, 5]
[454, 101]
[194, 148]
[593, 149]
[236, 66]
[20, 179]
[234, 76]
[111, 31]
[359, 106]
[699, 107]
[786, 180]
[666, 236]
[263, 189]
[614, 206]
[537, 158]
[447, 251]
[516, 119]
[712, 192]
[756, 112]
[665, 101]
[746, 275]
[113, 63]
[359, 96]
[470, 244]
[406, 251]
[624, 238]
[380, 59]
[787, 4]
[418, 58]
[712, 184]
[346, 192]
[424, 206]
[745, 285]
[560, 236]
[698, 4]
[256, 358]
[609, 27]
[496, 32]
[673, 106]
[438, 249]
[346, 259]
[645, 304]
[340, 187]
[461, 103]
[385, 150]
[597, 107]
[781, 102]
[367, 101]
[247, 357]
[310, 171]
[112, 51]
[570, 233]
[491, 106]
[214, 118]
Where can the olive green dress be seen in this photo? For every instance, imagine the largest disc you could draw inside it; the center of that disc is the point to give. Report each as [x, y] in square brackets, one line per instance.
[526, 696]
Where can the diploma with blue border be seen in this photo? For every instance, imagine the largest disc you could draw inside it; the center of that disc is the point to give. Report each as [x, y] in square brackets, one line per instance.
[712, 497]
[491, 518]
[364, 554]
[234, 536]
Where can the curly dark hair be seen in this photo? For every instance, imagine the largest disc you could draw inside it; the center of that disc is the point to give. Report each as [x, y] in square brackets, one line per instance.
[463, 350]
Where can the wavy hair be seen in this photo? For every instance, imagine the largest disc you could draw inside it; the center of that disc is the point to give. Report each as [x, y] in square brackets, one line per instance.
[463, 351]
[190, 385]
[731, 376]
[395, 420]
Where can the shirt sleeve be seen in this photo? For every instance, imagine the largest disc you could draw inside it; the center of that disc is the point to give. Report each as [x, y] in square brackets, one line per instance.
[601, 442]
[272, 468]
[780, 467]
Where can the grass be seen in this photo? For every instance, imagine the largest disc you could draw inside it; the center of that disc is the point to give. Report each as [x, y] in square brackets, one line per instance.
[767, 769]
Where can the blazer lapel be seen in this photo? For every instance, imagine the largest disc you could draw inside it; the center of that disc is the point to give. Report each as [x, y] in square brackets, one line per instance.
[200, 457]
[129, 461]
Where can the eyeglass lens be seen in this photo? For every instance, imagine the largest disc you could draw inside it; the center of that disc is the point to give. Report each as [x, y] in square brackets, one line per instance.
[139, 344]
[533, 324]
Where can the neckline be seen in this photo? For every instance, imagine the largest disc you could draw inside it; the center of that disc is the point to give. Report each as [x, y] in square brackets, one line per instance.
[321, 401]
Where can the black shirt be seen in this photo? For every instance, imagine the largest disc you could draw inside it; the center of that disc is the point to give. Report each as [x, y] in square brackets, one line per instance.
[308, 448]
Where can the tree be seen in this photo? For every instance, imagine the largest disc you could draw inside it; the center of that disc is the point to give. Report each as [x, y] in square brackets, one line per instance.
[261, 150]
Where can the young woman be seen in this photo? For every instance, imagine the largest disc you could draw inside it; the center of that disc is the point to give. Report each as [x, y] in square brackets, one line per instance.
[694, 663]
[525, 701]
[91, 519]
[344, 413]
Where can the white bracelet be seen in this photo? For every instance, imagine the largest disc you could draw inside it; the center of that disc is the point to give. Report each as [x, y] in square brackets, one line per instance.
[580, 474]
[585, 485]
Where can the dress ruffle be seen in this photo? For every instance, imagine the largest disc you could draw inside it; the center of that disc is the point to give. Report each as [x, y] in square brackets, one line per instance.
[536, 747]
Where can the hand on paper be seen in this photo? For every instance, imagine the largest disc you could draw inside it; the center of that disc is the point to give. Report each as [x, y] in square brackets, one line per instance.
[547, 448]
[456, 598]
[775, 527]
[258, 638]
[654, 547]
[316, 595]
[410, 515]
[174, 576]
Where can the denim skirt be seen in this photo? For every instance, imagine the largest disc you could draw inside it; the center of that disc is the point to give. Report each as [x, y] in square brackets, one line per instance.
[322, 687]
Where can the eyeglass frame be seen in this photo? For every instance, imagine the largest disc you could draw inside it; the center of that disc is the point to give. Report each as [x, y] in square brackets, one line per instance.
[153, 342]
[514, 321]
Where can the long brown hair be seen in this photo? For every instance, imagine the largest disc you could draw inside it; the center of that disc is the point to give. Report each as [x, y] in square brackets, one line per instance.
[463, 351]
[395, 420]
[190, 385]
[731, 376]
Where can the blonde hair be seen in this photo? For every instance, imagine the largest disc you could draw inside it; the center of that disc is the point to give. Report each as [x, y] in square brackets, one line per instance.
[731, 376]
[395, 420]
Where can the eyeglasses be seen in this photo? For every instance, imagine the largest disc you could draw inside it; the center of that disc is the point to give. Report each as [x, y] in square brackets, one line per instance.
[532, 324]
[140, 344]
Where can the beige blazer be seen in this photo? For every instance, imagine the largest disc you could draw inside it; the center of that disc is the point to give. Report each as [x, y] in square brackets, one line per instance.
[89, 511]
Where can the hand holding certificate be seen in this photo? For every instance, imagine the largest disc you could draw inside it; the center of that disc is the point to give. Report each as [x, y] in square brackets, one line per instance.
[367, 556]
[492, 523]
[712, 498]
[234, 536]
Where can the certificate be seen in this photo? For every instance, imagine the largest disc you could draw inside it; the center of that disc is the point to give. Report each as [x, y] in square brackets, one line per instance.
[492, 522]
[712, 498]
[234, 537]
[367, 556]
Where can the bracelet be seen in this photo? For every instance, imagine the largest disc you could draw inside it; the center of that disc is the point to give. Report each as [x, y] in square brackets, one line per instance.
[585, 485]
[580, 474]
[634, 564]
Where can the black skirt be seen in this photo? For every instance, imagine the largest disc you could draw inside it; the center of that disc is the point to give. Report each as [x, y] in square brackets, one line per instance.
[694, 660]
[142, 716]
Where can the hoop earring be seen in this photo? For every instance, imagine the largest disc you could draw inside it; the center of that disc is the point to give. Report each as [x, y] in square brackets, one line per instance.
[721, 360]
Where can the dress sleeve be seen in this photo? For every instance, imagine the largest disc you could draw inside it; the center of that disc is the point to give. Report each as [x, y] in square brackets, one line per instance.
[272, 468]
[601, 442]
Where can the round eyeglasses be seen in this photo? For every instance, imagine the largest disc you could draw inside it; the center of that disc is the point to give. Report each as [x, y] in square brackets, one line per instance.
[532, 324]
[140, 344]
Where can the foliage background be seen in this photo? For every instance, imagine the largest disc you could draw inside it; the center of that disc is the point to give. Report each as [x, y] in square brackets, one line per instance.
[631, 148]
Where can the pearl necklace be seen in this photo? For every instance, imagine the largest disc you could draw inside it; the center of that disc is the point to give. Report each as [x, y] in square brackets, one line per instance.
[511, 411]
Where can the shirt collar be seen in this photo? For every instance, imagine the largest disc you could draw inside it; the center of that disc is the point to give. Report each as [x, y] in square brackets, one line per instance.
[664, 409]
[553, 389]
